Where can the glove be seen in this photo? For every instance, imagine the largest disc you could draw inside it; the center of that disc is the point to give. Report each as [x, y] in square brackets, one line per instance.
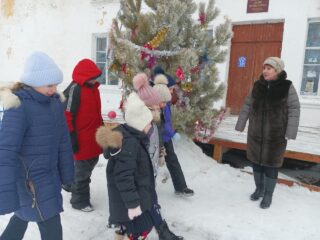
[74, 141]
[134, 212]
[176, 137]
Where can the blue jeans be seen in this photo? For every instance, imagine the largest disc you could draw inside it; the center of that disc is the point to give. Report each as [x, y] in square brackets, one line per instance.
[50, 229]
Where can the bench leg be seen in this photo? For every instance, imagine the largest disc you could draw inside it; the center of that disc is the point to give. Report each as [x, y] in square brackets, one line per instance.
[217, 153]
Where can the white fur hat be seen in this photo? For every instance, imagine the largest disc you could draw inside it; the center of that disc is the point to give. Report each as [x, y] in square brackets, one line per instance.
[136, 113]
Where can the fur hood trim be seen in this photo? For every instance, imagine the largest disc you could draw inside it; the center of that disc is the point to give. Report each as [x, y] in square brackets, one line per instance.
[106, 137]
[8, 99]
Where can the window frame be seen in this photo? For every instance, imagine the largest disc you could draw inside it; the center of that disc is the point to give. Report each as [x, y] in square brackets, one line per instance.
[306, 49]
[95, 36]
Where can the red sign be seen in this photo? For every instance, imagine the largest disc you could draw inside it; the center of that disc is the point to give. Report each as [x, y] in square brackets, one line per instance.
[256, 6]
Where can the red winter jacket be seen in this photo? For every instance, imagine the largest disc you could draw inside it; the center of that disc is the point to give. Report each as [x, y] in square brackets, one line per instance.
[83, 109]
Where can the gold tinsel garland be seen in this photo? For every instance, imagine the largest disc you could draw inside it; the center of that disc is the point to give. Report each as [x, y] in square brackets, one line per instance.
[161, 35]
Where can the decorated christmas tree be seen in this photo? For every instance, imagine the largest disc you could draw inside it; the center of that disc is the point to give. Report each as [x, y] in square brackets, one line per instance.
[179, 36]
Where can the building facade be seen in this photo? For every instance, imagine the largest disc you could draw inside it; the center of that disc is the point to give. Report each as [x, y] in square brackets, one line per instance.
[75, 29]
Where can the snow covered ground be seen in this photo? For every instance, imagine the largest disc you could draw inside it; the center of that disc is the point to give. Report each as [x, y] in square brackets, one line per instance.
[220, 209]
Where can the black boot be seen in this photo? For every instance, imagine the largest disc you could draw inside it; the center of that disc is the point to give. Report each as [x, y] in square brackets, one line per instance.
[270, 184]
[259, 181]
[165, 233]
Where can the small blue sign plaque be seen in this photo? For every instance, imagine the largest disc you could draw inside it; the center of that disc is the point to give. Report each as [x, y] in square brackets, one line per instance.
[242, 62]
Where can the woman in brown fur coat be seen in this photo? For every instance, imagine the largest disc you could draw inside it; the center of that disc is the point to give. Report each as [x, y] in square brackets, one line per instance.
[273, 110]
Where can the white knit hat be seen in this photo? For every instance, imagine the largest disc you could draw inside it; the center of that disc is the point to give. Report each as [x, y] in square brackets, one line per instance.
[136, 113]
[276, 63]
[160, 85]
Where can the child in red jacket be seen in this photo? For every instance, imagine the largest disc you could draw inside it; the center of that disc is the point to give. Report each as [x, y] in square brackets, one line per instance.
[83, 113]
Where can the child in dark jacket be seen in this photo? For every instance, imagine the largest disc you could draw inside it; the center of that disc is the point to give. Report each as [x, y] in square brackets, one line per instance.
[152, 99]
[131, 184]
[35, 151]
[168, 134]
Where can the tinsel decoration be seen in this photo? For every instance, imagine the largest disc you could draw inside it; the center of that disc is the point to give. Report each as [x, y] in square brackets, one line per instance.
[187, 87]
[195, 69]
[115, 66]
[180, 73]
[203, 134]
[129, 73]
[143, 53]
[202, 18]
[159, 38]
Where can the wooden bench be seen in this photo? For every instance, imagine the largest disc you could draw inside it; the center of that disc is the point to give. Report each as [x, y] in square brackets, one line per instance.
[220, 145]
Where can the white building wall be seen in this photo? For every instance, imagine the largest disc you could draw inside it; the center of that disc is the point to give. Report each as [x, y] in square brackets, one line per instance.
[295, 15]
[64, 29]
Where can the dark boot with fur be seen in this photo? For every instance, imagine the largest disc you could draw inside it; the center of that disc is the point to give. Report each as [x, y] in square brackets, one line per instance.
[259, 181]
[165, 233]
[270, 184]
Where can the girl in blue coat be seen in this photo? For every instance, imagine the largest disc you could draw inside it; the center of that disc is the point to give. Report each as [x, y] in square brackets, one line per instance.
[35, 151]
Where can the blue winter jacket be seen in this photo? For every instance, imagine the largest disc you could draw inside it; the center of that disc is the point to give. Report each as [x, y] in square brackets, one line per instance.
[35, 154]
[168, 131]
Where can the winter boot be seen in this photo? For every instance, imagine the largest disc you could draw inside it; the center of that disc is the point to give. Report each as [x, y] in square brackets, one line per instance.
[259, 181]
[120, 235]
[270, 184]
[187, 192]
[165, 233]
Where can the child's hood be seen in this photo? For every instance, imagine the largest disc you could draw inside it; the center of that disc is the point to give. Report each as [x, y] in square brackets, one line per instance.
[107, 137]
[7, 98]
[10, 99]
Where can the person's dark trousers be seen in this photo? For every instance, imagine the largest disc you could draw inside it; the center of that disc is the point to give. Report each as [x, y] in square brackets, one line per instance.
[155, 211]
[269, 172]
[80, 196]
[174, 167]
[50, 229]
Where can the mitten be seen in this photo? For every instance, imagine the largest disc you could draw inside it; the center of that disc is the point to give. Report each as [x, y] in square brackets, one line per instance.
[176, 137]
[134, 212]
[74, 141]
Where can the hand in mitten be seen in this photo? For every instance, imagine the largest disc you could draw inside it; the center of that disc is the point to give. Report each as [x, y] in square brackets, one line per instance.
[134, 212]
[176, 137]
[74, 141]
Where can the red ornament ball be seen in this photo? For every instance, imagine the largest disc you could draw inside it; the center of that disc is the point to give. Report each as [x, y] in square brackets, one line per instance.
[112, 114]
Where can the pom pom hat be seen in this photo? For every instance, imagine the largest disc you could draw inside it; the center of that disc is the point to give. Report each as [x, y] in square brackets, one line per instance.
[136, 113]
[40, 70]
[146, 93]
[160, 86]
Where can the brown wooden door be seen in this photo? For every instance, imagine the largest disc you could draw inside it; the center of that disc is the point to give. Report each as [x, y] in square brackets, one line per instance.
[251, 45]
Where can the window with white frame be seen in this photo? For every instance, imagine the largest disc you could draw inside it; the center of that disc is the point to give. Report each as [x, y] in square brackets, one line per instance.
[311, 67]
[100, 56]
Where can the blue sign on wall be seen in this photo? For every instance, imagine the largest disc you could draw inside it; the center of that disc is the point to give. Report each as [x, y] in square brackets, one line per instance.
[242, 62]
